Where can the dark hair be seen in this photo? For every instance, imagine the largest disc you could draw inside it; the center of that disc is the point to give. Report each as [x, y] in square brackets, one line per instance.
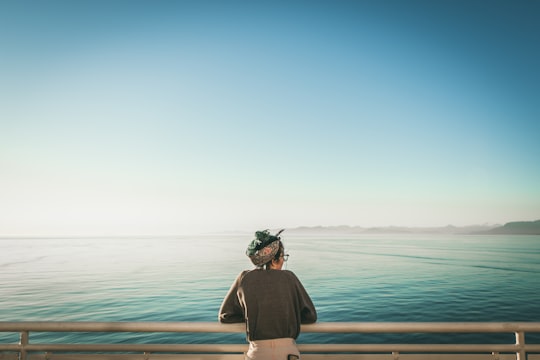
[276, 257]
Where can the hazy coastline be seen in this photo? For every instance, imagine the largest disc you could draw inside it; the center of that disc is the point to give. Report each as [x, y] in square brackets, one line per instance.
[511, 228]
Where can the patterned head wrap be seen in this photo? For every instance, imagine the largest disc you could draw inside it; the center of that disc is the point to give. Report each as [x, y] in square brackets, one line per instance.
[263, 248]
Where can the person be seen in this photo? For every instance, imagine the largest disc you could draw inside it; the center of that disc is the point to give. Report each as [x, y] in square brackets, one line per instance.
[271, 301]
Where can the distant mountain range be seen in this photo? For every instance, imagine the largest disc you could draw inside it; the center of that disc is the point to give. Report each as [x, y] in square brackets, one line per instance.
[511, 228]
[516, 228]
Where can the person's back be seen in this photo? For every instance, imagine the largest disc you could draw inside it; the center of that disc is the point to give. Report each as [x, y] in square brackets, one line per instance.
[273, 302]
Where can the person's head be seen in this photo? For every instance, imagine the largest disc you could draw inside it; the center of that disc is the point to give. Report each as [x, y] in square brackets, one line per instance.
[277, 261]
[266, 250]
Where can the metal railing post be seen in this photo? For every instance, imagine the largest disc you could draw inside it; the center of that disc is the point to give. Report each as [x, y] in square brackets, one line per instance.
[520, 342]
[23, 341]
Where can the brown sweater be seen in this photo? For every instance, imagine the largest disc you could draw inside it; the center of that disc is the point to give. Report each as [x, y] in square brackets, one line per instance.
[273, 303]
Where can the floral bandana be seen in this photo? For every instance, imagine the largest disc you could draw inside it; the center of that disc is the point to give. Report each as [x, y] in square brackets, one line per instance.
[263, 248]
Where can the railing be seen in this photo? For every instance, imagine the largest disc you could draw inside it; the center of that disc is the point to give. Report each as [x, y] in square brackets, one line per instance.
[25, 350]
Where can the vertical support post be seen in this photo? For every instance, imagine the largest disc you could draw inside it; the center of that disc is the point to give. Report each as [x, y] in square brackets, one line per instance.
[520, 342]
[23, 341]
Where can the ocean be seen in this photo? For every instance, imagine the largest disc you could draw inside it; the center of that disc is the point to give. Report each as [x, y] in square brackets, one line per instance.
[360, 278]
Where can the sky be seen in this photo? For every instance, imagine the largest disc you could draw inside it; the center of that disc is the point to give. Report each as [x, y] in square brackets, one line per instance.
[174, 117]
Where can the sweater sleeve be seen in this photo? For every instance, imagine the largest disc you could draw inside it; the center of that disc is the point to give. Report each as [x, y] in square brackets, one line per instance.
[308, 314]
[231, 311]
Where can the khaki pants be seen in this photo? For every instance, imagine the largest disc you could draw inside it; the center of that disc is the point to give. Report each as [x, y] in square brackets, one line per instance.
[274, 349]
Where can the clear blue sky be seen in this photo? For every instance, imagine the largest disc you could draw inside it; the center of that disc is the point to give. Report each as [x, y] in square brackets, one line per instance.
[168, 117]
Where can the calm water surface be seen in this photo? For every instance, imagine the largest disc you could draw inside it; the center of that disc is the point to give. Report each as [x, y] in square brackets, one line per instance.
[350, 278]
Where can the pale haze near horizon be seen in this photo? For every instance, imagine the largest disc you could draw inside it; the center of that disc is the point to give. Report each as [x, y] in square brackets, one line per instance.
[137, 118]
